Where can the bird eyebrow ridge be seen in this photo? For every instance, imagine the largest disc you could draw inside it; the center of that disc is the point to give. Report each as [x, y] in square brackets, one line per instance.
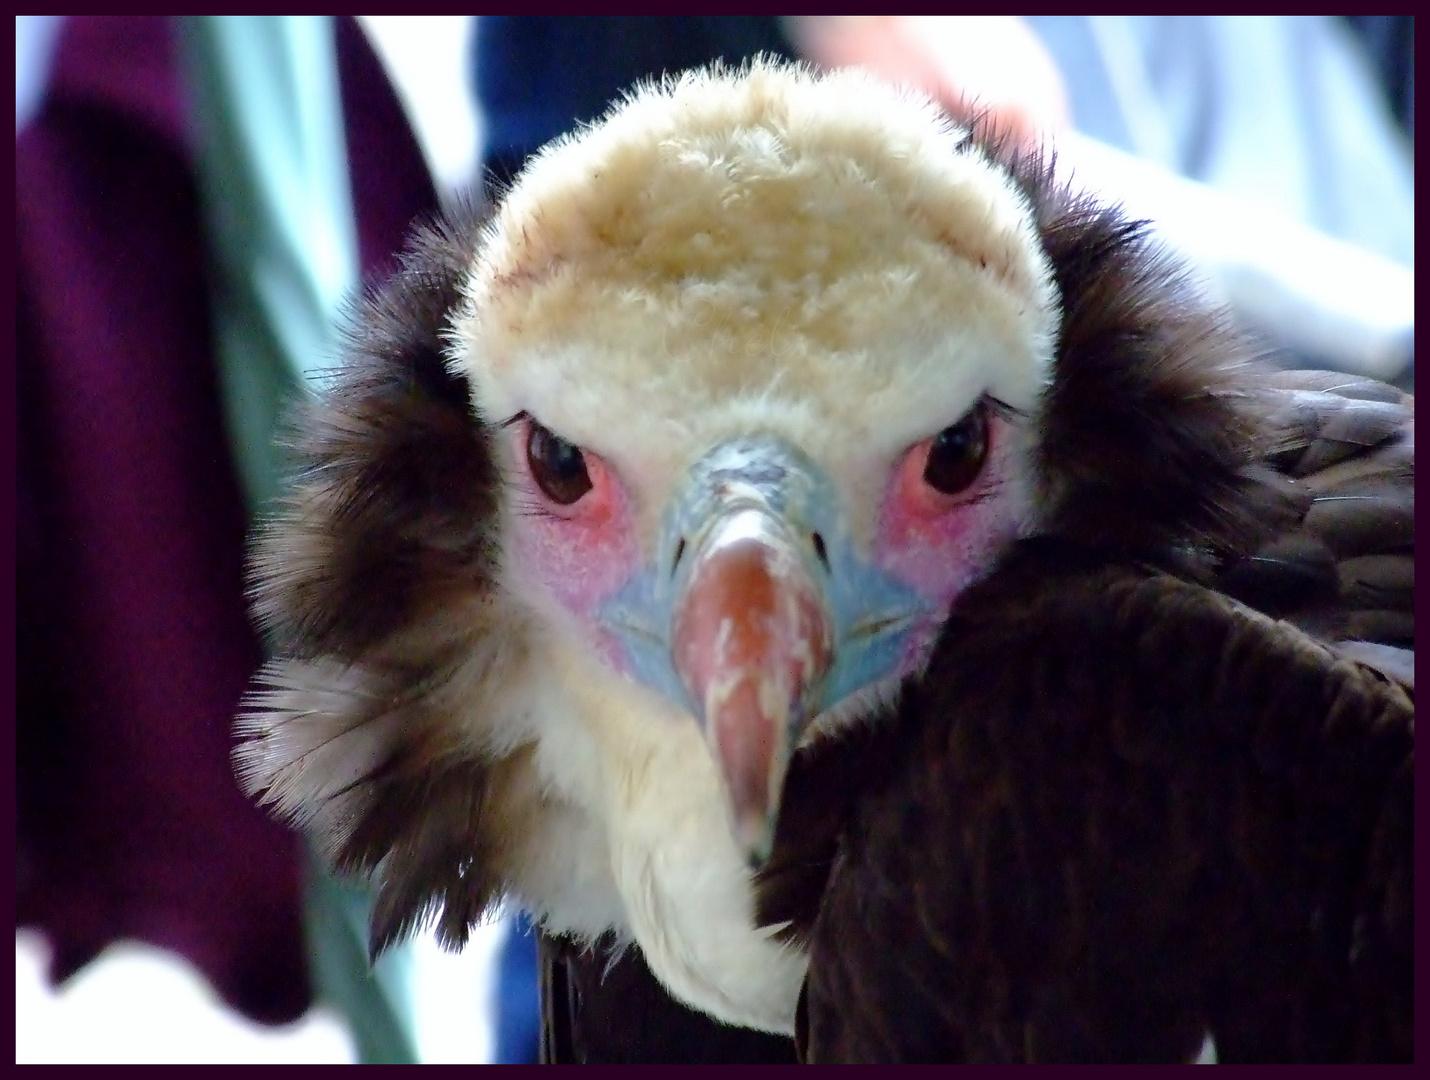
[1003, 409]
[516, 419]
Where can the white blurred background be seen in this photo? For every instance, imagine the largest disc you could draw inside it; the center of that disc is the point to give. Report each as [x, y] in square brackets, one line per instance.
[137, 1004]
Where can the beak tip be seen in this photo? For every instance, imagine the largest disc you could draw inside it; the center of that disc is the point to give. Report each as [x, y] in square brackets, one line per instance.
[755, 835]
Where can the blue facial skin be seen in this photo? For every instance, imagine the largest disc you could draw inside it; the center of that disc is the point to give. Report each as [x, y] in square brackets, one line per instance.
[872, 611]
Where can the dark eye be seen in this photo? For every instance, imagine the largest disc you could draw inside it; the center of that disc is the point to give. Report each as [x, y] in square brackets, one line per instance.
[957, 453]
[558, 466]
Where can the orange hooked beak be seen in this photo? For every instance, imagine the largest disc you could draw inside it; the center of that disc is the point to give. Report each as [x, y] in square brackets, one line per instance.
[751, 641]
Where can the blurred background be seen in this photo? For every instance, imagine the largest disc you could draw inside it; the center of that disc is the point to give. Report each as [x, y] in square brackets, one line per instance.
[197, 198]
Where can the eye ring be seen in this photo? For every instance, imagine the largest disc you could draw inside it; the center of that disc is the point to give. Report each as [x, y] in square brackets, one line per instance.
[956, 455]
[558, 466]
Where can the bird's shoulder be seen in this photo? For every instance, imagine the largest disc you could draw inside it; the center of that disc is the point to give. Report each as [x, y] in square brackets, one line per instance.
[1118, 783]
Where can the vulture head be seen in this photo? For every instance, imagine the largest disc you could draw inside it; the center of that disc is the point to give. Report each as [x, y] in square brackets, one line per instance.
[672, 466]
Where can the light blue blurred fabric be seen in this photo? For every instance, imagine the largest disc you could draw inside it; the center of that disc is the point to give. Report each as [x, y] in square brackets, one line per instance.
[35, 39]
[1261, 148]
[1280, 110]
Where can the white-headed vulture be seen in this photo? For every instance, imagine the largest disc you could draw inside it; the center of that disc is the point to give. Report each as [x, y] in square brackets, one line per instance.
[863, 601]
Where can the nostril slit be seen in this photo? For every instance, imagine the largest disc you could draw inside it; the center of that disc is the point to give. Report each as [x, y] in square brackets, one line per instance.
[679, 554]
[819, 552]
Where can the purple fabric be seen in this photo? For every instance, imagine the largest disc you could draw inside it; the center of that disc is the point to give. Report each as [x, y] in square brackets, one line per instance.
[133, 642]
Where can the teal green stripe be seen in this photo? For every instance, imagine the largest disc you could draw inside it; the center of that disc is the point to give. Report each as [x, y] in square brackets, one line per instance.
[273, 174]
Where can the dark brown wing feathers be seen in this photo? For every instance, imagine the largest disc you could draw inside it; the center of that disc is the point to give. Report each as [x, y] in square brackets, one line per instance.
[1346, 568]
[1127, 812]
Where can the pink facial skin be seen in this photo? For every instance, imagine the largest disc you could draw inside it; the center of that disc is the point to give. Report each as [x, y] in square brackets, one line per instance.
[940, 544]
[582, 553]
